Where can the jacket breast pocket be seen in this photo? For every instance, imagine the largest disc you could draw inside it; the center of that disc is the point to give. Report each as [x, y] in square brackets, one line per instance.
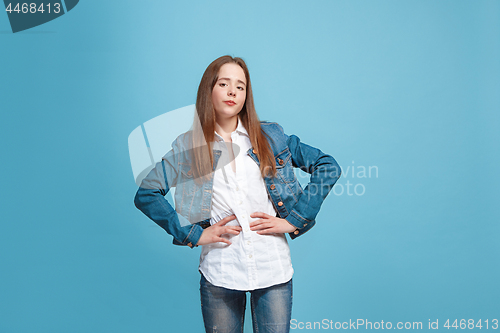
[186, 172]
[185, 183]
[284, 166]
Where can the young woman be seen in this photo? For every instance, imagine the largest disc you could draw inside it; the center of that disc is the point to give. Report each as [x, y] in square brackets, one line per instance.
[237, 196]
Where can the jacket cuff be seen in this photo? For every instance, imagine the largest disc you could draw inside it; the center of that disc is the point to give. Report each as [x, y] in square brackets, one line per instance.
[194, 236]
[300, 223]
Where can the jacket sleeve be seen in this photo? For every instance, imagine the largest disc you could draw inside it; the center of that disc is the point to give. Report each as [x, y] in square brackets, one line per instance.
[150, 199]
[325, 172]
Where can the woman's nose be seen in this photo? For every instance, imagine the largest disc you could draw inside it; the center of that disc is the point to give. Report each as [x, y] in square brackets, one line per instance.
[231, 92]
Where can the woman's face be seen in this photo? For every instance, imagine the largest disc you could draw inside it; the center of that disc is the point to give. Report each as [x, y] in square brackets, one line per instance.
[229, 93]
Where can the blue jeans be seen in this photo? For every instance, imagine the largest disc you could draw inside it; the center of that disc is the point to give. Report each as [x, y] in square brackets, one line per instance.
[224, 309]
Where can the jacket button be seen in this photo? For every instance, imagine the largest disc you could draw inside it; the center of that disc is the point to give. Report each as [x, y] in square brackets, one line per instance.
[280, 161]
[272, 187]
[190, 172]
[280, 203]
[296, 232]
[305, 224]
[254, 151]
[190, 244]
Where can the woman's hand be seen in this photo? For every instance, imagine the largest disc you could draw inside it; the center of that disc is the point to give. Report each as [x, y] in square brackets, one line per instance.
[270, 224]
[213, 233]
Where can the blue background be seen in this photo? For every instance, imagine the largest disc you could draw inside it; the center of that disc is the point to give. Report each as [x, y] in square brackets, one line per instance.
[411, 87]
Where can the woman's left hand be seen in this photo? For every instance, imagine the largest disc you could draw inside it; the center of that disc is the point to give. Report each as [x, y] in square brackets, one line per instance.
[270, 224]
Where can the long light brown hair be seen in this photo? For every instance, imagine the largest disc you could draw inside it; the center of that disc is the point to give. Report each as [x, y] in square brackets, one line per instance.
[204, 126]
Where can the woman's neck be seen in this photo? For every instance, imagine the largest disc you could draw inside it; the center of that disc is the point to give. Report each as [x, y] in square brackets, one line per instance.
[226, 126]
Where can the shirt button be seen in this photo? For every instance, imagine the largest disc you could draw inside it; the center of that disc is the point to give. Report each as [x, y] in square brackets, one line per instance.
[272, 187]
[250, 256]
[247, 229]
[248, 242]
[296, 232]
[280, 203]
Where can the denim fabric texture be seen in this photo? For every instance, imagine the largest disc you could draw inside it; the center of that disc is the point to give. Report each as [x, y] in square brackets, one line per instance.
[193, 201]
[224, 309]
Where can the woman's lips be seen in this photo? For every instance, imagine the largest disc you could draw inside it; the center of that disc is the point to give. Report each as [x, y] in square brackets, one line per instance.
[230, 102]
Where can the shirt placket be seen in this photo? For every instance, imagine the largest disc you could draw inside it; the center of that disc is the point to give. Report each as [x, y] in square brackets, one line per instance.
[241, 210]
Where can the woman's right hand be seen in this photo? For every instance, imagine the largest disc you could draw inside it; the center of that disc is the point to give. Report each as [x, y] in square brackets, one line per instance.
[213, 233]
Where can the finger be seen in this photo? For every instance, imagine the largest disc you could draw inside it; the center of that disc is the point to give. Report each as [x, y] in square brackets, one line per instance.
[267, 231]
[230, 231]
[260, 214]
[234, 227]
[257, 222]
[220, 239]
[226, 220]
[262, 226]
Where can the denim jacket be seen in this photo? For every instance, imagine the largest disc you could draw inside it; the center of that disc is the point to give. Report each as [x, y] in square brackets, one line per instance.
[193, 201]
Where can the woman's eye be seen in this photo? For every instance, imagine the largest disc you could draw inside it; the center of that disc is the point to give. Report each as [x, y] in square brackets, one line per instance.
[222, 84]
[241, 88]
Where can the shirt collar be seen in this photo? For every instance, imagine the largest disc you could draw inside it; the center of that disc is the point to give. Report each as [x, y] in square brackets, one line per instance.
[240, 129]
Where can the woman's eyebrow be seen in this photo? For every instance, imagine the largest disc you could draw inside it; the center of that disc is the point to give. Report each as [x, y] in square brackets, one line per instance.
[226, 78]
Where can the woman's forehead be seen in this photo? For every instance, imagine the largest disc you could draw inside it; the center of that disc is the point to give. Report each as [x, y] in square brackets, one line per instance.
[232, 71]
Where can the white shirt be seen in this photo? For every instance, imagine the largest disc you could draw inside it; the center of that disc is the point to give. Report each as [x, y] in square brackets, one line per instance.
[252, 261]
